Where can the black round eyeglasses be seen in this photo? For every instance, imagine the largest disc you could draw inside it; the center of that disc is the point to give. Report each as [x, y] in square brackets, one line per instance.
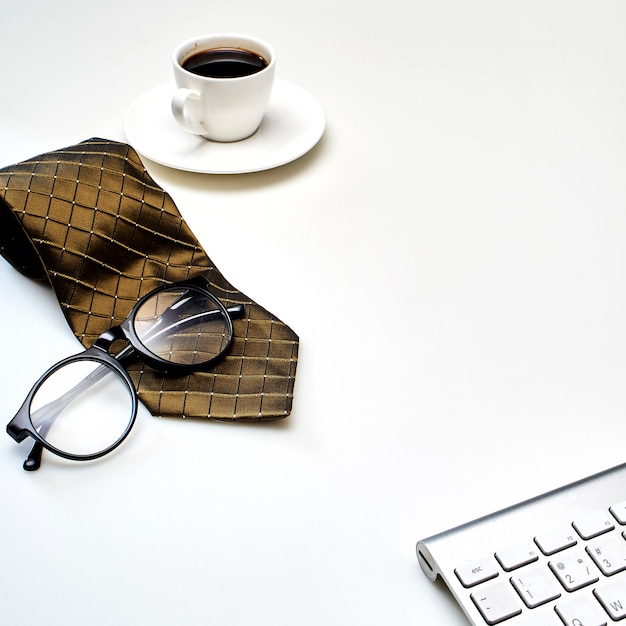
[84, 406]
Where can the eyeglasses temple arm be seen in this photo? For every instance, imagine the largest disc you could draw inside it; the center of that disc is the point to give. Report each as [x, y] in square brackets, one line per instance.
[33, 460]
[236, 311]
[154, 330]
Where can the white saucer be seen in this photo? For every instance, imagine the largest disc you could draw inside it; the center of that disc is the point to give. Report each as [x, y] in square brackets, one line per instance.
[293, 124]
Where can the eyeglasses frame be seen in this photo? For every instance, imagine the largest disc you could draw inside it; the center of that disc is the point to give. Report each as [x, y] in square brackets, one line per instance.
[21, 426]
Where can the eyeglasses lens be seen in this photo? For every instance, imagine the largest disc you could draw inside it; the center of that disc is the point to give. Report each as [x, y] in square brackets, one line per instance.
[182, 326]
[82, 408]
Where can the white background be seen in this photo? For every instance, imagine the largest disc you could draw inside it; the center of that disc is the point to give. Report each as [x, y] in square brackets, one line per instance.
[452, 255]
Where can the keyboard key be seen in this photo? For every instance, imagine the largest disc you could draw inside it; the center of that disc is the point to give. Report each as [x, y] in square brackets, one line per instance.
[496, 602]
[536, 586]
[619, 512]
[476, 572]
[594, 524]
[574, 570]
[613, 598]
[555, 540]
[581, 611]
[609, 554]
[516, 556]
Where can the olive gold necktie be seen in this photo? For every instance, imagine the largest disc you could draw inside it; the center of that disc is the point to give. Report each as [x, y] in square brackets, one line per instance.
[90, 220]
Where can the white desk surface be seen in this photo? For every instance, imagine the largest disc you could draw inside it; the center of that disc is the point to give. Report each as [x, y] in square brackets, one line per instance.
[452, 255]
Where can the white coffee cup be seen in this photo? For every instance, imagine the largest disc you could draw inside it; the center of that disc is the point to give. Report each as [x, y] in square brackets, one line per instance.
[222, 108]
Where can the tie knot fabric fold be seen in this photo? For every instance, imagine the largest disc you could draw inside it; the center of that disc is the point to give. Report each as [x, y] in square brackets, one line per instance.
[91, 220]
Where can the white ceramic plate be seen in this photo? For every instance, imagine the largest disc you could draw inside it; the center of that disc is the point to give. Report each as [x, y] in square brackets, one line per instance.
[293, 124]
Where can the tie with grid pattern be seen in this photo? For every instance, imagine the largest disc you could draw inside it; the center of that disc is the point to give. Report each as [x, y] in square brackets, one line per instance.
[91, 221]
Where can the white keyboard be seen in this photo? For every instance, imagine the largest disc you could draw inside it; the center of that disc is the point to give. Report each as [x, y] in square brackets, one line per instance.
[557, 559]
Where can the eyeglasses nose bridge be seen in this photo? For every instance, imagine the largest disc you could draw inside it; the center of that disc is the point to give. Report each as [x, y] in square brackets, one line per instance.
[105, 340]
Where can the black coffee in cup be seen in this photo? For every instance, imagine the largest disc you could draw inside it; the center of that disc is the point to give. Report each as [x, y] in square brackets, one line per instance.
[225, 63]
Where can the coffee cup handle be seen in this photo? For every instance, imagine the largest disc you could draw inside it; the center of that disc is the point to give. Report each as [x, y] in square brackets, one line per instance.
[183, 103]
